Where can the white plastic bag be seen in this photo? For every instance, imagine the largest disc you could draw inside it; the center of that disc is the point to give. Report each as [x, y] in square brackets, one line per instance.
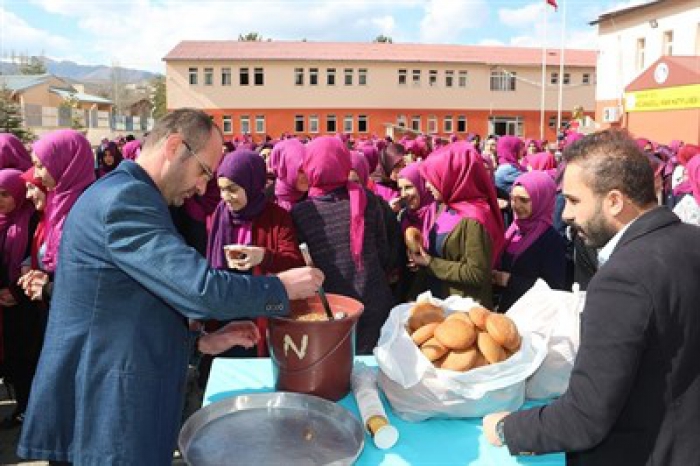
[418, 391]
[556, 316]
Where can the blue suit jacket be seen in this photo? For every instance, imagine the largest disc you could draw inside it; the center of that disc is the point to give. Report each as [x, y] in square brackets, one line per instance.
[110, 384]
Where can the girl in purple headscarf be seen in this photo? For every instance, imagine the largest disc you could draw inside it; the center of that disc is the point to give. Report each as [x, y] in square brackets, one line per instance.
[285, 163]
[250, 234]
[533, 247]
[21, 322]
[12, 153]
[391, 161]
[108, 158]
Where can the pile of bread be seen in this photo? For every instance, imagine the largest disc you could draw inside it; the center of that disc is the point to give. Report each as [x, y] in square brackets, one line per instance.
[462, 340]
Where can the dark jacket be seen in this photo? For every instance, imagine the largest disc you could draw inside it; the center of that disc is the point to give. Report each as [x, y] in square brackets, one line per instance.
[634, 393]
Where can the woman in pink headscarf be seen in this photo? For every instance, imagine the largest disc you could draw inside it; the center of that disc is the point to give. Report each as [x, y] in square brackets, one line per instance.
[343, 227]
[64, 162]
[131, 150]
[533, 248]
[13, 154]
[688, 209]
[391, 161]
[285, 163]
[510, 151]
[21, 321]
[466, 228]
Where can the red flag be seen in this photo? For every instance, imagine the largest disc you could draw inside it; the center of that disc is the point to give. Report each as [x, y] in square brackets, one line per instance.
[553, 3]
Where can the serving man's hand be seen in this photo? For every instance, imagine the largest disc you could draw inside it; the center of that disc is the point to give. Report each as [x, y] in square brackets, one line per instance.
[489, 424]
[238, 333]
[302, 282]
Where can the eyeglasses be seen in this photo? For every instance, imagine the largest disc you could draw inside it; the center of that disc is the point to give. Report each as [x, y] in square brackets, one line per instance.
[208, 173]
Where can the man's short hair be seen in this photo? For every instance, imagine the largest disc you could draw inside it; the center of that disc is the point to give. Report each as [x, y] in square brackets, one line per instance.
[194, 125]
[610, 160]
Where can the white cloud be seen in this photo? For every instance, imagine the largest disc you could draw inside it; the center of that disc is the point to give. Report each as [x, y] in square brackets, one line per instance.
[491, 42]
[523, 17]
[16, 35]
[445, 20]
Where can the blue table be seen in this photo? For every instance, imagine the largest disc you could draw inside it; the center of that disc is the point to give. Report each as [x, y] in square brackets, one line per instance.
[432, 442]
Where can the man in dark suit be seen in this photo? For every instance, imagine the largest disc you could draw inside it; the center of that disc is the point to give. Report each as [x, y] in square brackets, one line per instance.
[634, 392]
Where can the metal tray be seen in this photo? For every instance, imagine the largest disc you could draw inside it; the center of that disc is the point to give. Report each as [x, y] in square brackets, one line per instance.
[272, 429]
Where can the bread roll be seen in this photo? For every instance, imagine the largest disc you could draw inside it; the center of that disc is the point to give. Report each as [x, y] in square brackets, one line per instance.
[480, 360]
[461, 315]
[455, 334]
[460, 360]
[414, 239]
[433, 349]
[478, 316]
[492, 351]
[423, 314]
[503, 330]
[424, 333]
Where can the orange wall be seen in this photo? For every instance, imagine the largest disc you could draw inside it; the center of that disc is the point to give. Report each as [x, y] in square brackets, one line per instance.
[666, 126]
[279, 121]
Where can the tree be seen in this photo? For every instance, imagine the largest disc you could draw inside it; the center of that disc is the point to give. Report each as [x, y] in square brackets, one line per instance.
[11, 117]
[250, 37]
[158, 98]
[383, 39]
[32, 65]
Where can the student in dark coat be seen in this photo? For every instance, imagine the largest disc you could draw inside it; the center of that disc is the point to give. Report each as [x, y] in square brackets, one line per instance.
[634, 393]
[534, 249]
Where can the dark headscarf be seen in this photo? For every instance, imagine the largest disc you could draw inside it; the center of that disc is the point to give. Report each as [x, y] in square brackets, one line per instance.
[14, 226]
[13, 154]
[113, 149]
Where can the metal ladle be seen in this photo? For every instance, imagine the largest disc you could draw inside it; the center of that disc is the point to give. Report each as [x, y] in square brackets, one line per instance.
[304, 248]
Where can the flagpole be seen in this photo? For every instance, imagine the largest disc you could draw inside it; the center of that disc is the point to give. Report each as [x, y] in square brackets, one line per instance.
[561, 64]
[544, 72]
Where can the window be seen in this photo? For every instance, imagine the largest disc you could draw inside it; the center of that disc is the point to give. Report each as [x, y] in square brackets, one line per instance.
[449, 78]
[432, 78]
[554, 78]
[668, 43]
[362, 77]
[567, 79]
[362, 124]
[348, 76]
[259, 77]
[415, 123]
[347, 124]
[245, 124]
[462, 79]
[299, 123]
[330, 76]
[402, 77]
[447, 125]
[502, 80]
[416, 77]
[586, 79]
[641, 44]
[432, 124]
[260, 124]
[461, 124]
[313, 124]
[553, 121]
[227, 124]
[225, 76]
[298, 76]
[331, 124]
[244, 77]
[208, 76]
[401, 121]
[193, 76]
[313, 76]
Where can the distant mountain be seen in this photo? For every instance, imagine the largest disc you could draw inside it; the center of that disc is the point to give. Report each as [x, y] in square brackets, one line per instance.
[85, 73]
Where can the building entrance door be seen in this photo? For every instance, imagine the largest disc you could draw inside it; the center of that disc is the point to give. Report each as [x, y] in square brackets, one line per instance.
[506, 126]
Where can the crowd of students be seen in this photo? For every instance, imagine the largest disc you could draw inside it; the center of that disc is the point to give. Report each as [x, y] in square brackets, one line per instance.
[490, 214]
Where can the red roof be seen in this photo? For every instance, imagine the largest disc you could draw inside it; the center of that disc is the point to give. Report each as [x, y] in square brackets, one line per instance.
[683, 70]
[372, 51]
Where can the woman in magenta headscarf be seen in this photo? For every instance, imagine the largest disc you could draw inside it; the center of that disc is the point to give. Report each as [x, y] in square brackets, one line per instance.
[13, 153]
[64, 162]
[688, 209]
[533, 248]
[466, 228]
[391, 161]
[285, 163]
[21, 322]
[131, 150]
[343, 227]
[510, 151]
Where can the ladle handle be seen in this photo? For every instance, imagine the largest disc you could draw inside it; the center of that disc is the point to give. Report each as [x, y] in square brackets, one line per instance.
[304, 248]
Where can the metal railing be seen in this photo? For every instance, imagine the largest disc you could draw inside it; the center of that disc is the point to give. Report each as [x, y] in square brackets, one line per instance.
[37, 116]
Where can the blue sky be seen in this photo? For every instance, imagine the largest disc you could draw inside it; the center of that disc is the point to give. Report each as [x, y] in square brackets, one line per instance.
[138, 33]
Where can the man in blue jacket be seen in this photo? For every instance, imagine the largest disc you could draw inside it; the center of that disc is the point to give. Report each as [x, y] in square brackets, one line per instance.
[109, 388]
[634, 393]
